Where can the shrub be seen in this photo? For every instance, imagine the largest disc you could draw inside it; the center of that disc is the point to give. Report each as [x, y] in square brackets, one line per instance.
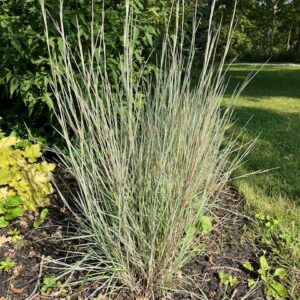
[149, 157]
[24, 182]
[24, 65]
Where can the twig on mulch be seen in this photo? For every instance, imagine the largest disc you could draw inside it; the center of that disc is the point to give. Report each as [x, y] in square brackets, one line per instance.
[233, 294]
[225, 267]
[234, 213]
[34, 294]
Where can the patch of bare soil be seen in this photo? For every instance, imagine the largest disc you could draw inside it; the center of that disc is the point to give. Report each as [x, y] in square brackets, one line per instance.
[226, 251]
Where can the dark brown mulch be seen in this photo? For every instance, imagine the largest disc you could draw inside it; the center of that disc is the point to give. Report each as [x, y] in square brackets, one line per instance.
[227, 251]
[27, 254]
[34, 249]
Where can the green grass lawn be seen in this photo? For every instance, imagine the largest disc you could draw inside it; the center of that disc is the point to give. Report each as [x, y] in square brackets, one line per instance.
[271, 104]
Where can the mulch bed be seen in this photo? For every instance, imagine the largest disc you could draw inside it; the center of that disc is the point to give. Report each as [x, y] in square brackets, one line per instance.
[227, 250]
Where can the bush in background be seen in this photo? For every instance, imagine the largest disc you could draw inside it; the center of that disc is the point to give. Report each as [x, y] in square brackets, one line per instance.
[24, 65]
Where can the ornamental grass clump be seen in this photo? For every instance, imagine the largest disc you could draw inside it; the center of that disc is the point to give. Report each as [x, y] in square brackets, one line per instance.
[149, 157]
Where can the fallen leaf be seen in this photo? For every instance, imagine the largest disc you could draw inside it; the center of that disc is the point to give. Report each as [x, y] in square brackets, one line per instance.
[62, 209]
[16, 290]
[7, 253]
[179, 274]
[4, 239]
[32, 253]
[211, 261]
[31, 217]
[57, 234]
[16, 272]
[23, 223]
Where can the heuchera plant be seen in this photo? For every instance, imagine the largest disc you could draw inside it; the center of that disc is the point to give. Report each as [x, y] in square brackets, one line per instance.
[25, 182]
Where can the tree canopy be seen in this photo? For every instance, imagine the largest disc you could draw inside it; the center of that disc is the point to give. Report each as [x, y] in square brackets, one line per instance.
[265, 29]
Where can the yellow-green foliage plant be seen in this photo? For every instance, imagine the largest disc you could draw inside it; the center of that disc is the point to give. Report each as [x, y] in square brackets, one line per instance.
[149, 158]
[25, 181]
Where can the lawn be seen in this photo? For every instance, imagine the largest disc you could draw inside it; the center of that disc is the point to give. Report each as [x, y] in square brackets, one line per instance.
[271, 106]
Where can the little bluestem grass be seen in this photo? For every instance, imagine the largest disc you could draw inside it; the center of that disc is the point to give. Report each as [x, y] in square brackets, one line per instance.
[149, 157]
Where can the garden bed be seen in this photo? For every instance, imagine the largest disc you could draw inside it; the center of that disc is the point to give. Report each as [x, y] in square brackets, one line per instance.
[227, 250]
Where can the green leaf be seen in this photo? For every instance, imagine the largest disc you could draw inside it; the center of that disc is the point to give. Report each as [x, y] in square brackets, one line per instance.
[251, 283]
[7, 264]
[260, 217]
[263, 276]
[3, 222]
[44, 214]
[247, 265]
[2, 208]
[4, 24]
[32, 153]
[227, 279]
[5, 175]
[280, 272]
[14, 213]
[17, 45]
[15, 231]
[14, 133]
[12, 201]
[49, 282]
[279, 289]
[206, 224]
[136, 33]
[233, 281]
[149, 38]
[36, 224]
[8, 75]
[52, 42]
[263, 263]
[47, 99]
[223, 277]
[13, 85]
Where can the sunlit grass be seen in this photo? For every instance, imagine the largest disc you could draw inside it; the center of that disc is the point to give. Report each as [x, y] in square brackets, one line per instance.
[271, 104]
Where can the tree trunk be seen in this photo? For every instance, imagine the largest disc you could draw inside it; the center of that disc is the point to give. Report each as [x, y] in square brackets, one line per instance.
[298, 47]
[273, 28]
[289, 39]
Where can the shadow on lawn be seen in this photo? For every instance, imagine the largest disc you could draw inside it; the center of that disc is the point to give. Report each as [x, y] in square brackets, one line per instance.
[277, 147]
[271, 82]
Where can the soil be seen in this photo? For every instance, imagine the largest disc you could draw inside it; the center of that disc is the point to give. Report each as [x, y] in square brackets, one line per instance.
[37, 245]
[227, 249]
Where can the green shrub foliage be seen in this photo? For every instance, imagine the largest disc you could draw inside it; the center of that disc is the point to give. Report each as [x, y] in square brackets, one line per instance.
[24, 64]
[25, 94]
[24, 181]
